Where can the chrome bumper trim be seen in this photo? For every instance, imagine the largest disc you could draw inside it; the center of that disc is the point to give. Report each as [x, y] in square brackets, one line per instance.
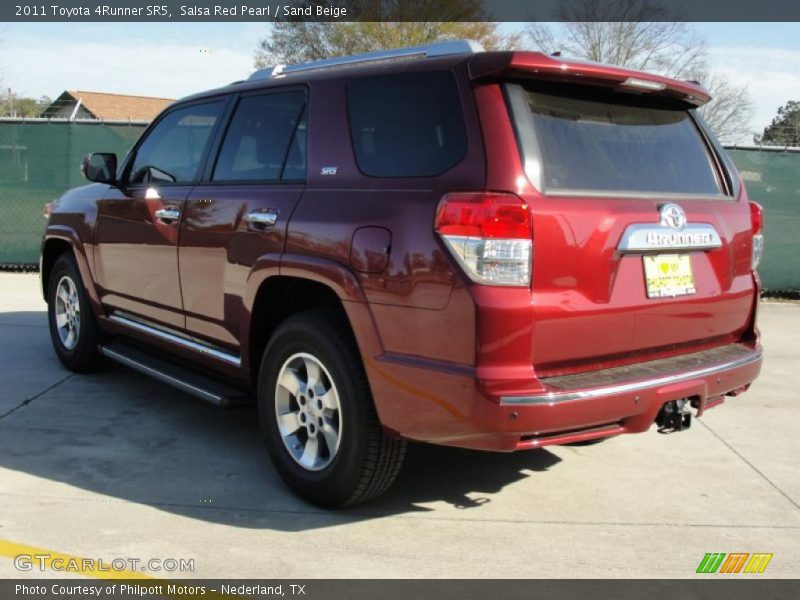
[622, 388]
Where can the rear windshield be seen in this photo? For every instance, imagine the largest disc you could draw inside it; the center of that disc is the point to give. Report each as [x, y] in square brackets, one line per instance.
[599, 141]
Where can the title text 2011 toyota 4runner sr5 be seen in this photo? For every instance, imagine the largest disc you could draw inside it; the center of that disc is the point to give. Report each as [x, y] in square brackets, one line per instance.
[491, 250]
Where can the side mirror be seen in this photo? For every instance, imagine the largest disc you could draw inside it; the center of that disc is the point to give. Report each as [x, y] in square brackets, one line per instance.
[100, 167]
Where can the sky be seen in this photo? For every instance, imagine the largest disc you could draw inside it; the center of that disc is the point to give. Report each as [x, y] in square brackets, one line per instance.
[176, 59]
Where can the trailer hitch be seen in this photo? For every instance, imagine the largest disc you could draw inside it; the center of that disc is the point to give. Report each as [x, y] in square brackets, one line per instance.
[674, 416]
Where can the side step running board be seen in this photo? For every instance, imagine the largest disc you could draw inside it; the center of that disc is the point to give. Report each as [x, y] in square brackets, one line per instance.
[178, 377]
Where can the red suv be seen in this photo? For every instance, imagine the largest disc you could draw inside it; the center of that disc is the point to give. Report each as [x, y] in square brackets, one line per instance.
[493, 250]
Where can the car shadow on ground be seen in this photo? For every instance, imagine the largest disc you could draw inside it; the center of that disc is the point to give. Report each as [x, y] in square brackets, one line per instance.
[122, 435]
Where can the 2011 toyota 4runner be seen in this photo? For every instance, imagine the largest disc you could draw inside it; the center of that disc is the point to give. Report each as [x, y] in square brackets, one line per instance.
[491, 250]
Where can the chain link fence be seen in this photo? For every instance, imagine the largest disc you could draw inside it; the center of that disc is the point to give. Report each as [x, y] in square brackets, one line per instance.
[39, 160]
[772, 177]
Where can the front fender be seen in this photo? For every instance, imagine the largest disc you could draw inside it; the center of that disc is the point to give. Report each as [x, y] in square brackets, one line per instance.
[67, 234]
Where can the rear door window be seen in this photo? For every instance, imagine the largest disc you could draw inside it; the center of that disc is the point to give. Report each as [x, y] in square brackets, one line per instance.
[406, 125]
[265, 140]
[599, 141]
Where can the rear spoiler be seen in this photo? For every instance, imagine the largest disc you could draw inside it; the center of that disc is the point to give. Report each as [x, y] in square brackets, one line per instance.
[529, 65]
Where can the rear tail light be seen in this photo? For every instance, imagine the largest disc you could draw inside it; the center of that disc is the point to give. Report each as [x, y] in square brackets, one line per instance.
[489, 234]
[757, 216]
[757, 220]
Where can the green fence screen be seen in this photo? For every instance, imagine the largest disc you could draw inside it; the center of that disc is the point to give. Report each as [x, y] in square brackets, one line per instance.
[40, 160]
[773, 180]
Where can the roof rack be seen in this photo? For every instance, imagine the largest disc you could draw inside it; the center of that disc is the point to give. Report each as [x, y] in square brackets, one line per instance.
[446, 48]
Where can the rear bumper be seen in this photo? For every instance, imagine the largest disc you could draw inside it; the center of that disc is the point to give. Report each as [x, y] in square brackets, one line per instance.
[642, 376]
[450, 408]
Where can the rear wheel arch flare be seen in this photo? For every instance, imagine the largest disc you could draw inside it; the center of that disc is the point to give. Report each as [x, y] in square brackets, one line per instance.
[278, 298]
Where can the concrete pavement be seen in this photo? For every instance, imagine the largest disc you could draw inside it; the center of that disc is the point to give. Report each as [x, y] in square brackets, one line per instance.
[117, 465]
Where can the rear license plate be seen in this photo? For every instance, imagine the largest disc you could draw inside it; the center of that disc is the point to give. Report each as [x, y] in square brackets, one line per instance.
[668, 275]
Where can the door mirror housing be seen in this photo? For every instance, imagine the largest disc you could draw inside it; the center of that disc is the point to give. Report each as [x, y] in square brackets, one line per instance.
[100, 167]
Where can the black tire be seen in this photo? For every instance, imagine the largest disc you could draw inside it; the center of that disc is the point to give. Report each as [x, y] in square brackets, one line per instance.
[367, 460]
[81, 355]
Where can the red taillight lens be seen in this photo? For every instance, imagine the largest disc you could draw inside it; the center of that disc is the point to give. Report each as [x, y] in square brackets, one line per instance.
[757, 221]
[489, 234]
[484, 214]
[757, 216]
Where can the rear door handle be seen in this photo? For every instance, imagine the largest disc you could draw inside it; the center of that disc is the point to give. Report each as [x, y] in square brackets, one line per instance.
[266, 218]
[168, 214]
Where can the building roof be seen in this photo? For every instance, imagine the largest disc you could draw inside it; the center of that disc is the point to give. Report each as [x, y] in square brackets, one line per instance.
[115, 107]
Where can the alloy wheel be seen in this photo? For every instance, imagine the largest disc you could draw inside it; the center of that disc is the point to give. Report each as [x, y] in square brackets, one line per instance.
[308, 412]
[68, 312]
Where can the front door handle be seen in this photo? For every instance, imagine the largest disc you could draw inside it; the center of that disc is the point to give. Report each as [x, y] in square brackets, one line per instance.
[168, 214]
[265, 218]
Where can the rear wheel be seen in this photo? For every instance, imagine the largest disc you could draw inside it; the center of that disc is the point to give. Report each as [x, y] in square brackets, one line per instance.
[73, 329]
[317, 414]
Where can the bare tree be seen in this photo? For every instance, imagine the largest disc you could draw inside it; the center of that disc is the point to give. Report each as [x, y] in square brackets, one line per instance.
[664, 47]
[639, 35]
[731, 109]
[296, 42]
[383, 25]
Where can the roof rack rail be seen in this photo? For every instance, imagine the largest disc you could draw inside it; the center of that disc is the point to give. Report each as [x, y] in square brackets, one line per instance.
[446, 48]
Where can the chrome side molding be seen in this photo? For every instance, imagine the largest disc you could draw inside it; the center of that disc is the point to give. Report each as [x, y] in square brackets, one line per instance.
[177, 339]
[643, 237]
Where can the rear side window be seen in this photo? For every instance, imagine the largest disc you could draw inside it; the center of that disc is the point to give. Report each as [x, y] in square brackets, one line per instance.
[173, 149]
[406, 125]
[265, 140]
[600, 141]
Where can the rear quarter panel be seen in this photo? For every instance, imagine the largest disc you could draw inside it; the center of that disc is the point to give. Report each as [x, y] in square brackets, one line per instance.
[418, 301]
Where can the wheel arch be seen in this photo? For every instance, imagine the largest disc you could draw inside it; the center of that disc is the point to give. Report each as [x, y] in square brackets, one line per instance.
[58, 240]
[291, 284]
[52, 248]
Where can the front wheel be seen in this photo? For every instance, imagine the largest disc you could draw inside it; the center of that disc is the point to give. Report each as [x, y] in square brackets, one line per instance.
[73, 329]
[317, 414]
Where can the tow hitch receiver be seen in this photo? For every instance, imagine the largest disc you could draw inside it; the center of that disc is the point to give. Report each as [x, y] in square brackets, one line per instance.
[674, 416]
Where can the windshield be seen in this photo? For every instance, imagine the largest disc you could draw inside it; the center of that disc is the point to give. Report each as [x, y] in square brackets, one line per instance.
[601, 141]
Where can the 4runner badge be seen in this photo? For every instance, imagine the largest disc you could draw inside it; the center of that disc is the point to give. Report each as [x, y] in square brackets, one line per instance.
[672, 232]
